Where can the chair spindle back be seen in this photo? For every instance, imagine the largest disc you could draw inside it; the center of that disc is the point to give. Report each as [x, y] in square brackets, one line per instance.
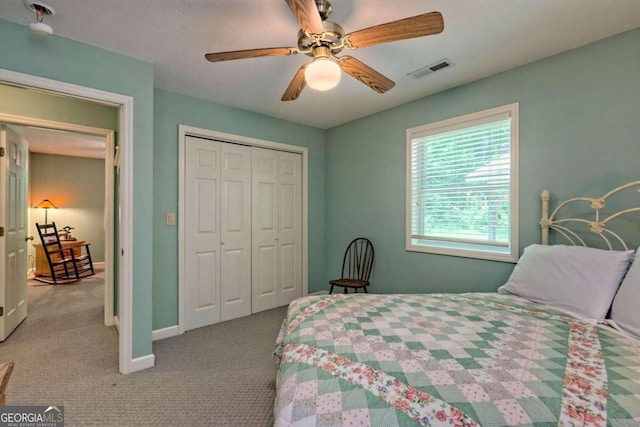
[358, 260]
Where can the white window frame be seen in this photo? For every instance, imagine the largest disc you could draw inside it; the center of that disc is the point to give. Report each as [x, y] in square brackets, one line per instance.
[460, 249]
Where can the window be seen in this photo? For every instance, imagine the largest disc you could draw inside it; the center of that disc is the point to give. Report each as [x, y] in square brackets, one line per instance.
[462, 186]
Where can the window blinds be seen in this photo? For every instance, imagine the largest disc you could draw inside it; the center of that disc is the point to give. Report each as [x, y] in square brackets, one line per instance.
[460, 182]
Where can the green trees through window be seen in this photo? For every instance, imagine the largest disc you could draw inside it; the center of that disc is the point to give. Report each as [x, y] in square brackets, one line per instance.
[461, 182]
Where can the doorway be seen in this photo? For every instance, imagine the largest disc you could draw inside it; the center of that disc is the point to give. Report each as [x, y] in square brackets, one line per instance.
[57, 158]
[124, 218]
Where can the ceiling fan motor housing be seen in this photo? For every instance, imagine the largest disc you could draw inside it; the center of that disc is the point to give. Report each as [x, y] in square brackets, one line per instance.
[331, 38]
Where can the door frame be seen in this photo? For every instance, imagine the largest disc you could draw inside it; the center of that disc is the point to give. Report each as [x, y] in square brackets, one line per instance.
[108, 135]
[124, 320]
[183, 132]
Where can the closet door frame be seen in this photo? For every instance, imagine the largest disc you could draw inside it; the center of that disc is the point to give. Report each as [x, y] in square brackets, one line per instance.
[183, 132]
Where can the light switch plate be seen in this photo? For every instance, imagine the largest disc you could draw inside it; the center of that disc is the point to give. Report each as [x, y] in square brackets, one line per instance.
[170, 219]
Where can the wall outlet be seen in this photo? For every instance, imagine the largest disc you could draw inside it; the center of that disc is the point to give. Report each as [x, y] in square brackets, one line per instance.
[170, 219]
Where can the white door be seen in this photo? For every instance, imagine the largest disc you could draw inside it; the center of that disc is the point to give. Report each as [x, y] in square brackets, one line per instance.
[289, 227]
[13, 234]
[277, 228]
[202, 242]
[235, 244]
[264, 236]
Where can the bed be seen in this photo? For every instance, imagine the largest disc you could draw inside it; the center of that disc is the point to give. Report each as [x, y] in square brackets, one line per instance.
[534, 353]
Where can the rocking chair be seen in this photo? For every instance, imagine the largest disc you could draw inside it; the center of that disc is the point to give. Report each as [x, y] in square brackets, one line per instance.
[66, 265]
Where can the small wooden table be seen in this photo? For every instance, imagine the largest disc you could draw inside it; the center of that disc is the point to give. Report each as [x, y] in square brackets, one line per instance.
[5, 373]
[42, 265]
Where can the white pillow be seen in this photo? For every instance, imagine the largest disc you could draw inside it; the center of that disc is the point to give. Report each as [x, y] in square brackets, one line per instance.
[627, 301]
[578, 280]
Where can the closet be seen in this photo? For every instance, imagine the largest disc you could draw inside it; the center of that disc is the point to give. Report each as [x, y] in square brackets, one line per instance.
[276, 229]
[242, 248]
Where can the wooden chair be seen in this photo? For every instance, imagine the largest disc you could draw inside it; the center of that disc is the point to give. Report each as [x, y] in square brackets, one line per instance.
[356, 266]
[5, 373]
[65, 265]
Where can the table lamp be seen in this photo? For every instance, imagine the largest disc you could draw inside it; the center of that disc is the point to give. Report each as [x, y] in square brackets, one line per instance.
[46, 205]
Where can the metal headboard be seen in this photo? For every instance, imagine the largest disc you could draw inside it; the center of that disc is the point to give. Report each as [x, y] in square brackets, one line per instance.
[597, 226]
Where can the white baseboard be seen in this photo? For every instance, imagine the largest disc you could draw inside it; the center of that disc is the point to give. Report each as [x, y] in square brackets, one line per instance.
[320, 293]
[144, 362]
[99, 264]
[111, 322]
[116, 323]
[160, 334]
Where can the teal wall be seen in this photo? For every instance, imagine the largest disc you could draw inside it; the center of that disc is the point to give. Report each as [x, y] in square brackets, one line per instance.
[579, 127]
[171, 110]
[68, 61]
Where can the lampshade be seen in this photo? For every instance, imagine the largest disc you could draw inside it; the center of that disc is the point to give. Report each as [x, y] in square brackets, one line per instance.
[46, 204]
[322, 74]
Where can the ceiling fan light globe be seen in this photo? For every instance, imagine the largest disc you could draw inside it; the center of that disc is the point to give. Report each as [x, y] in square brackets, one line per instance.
[322, 74]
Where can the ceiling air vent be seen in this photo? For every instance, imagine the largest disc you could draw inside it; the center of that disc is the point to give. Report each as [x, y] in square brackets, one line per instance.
[429, 69]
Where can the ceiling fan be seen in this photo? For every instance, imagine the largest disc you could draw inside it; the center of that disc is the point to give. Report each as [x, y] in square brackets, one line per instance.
[323, 39]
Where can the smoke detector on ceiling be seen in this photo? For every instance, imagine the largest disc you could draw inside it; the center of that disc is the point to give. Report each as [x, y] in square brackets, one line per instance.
[40, 9]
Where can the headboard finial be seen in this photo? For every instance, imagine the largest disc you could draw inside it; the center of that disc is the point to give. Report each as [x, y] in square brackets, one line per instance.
[544, 221]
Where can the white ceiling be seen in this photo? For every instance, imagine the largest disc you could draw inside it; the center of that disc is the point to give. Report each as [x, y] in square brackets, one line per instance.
[62, 143]
[482, 37]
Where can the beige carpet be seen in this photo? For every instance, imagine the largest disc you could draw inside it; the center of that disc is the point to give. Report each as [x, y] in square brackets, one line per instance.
[64, 355]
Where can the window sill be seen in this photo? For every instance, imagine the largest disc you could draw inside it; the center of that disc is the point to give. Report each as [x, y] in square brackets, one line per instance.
[464, 253]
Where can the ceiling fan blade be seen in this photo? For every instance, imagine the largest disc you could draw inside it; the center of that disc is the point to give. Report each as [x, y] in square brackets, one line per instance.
[365, 74]
[408, 28]
[295, 87]
[306, 13]
[250, 53]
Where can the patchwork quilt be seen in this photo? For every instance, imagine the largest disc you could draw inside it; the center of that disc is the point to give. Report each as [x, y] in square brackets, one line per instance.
[450, 360]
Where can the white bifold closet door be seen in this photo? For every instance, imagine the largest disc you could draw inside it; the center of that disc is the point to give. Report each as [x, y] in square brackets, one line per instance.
[218, 232]
[276, 228]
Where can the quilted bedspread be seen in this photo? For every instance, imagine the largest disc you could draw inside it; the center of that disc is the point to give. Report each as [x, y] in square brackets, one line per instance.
[450, 360]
